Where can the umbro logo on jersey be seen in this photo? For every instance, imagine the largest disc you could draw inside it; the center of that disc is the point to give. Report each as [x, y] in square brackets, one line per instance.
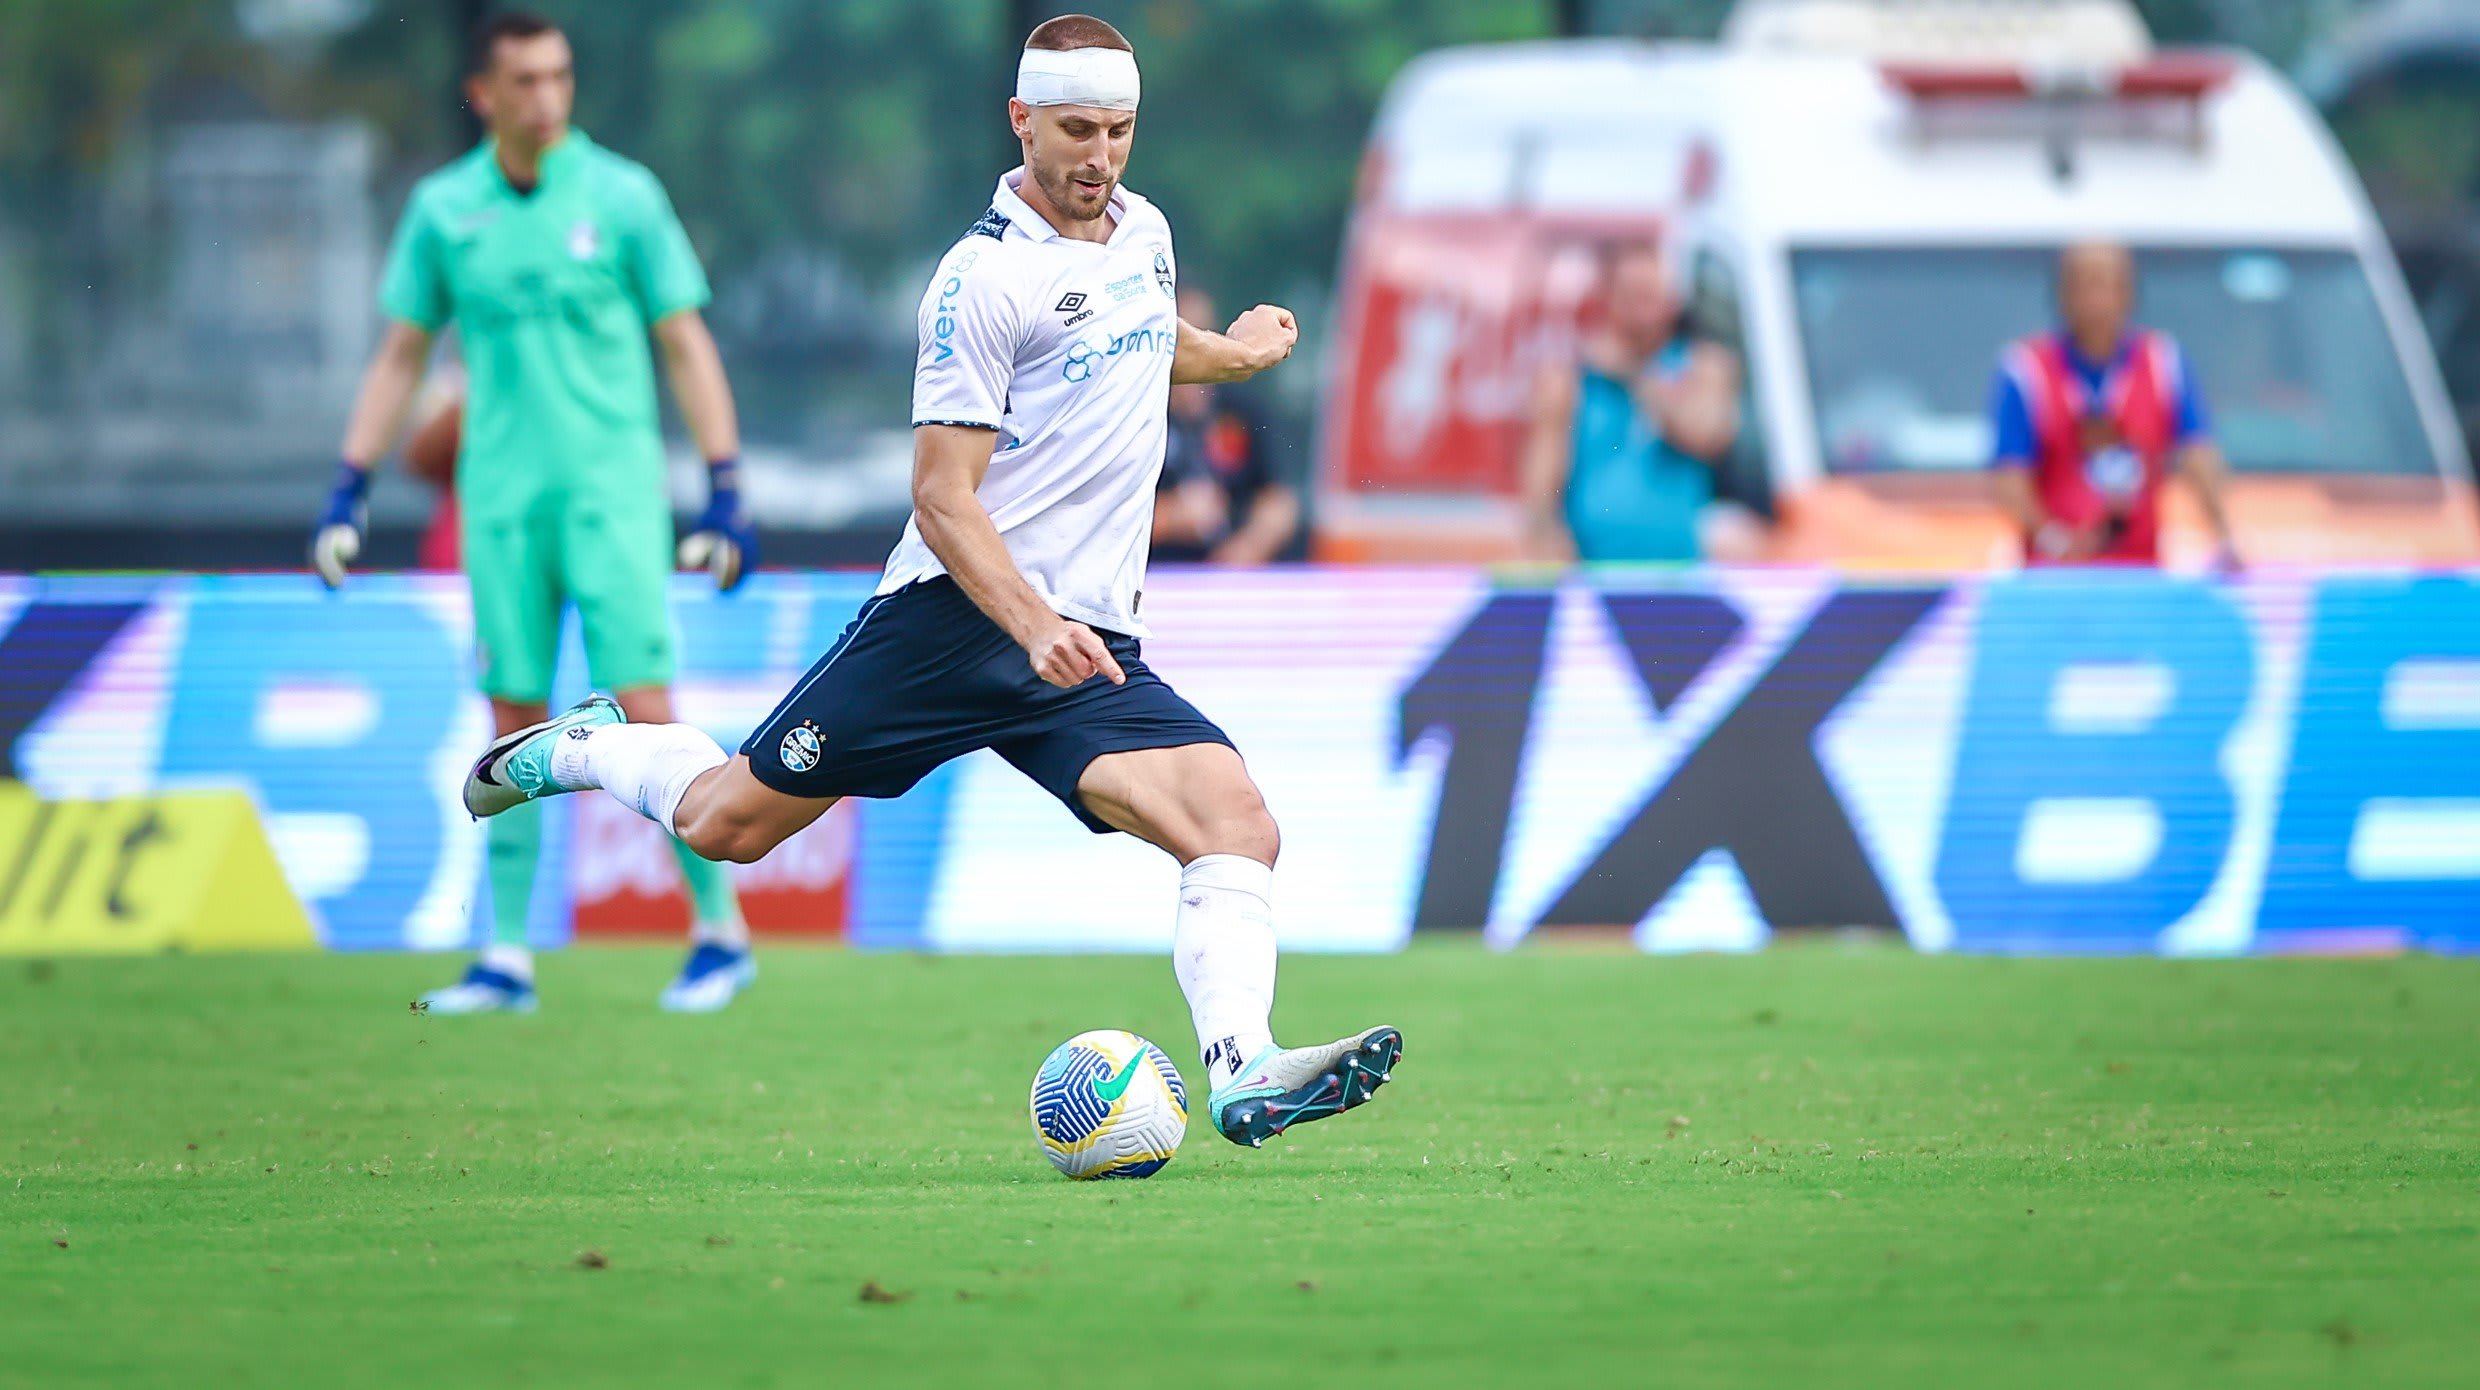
[1072, 301]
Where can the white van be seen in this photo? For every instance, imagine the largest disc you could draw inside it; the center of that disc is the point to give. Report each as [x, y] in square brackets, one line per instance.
[1867, 201]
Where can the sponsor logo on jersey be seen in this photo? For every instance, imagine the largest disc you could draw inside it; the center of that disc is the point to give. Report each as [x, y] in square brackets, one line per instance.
[1099, 346]
[1072, 304]
[584, 242]
[1126, 288]
[943, 319]
[1162, 274]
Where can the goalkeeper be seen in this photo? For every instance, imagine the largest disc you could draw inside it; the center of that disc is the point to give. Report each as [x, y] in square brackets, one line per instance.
[556, 259]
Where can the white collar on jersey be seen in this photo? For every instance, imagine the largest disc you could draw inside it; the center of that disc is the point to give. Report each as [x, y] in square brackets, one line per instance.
[1011, 205]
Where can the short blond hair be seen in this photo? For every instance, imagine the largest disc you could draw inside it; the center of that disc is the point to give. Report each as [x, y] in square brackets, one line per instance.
[1070, 32]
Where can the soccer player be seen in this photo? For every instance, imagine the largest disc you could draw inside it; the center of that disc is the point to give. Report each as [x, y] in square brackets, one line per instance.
[555, 258]
[1008, 614]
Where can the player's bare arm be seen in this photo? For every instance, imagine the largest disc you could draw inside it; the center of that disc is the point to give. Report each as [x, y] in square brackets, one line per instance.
[378, 417]
[388, 384]
[723, 542]
[695, 369]
[1257, 340]
[949, 463]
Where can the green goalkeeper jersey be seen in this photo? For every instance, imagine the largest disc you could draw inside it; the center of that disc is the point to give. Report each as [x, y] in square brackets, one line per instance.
[553, 292]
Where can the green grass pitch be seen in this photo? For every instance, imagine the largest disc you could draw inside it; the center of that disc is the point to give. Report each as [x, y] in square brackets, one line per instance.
[1816, 1166]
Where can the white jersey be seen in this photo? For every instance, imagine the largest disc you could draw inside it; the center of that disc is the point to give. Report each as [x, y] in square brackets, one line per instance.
[1064, 347]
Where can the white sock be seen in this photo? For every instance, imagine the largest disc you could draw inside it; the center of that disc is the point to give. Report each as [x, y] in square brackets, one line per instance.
[514, 961]
[731, 933]
[1222, 950]
[647, 766]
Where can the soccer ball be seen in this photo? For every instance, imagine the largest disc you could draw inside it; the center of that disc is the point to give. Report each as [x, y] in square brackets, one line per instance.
[1109, 1104]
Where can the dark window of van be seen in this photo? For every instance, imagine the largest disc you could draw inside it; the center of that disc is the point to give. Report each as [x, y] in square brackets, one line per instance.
[2299, 374]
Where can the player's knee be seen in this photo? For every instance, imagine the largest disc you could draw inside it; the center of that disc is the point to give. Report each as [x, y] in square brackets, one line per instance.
[1240, 824]
[704, 840]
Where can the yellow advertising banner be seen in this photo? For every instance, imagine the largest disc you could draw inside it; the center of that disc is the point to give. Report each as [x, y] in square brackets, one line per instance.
[175, 871]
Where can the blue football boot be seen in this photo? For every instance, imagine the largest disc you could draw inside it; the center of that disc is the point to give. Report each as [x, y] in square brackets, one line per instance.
[483, 991]
[709, 979]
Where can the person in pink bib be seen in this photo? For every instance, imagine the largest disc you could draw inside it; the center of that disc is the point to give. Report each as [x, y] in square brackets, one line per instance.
[2092, 419]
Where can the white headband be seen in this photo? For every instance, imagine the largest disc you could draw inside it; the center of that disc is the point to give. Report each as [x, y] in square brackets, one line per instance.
[1104, 77]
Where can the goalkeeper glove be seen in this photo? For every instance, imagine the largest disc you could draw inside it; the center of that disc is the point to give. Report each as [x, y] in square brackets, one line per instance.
[337, 541]
[723, 542]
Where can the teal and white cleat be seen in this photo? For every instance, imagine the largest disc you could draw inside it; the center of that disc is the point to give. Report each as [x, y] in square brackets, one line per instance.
[1283, 1087]
[483, 991]
[517, 769]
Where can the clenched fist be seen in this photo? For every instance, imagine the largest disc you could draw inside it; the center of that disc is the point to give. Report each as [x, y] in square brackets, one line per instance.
[1068, 655]
[1267, 330]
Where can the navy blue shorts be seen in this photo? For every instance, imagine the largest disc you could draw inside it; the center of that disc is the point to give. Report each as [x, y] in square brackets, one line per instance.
[922, 676]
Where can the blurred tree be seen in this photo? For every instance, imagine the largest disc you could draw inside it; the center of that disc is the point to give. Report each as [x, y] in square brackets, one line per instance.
[1256, 111]
[1657, 19]
[2417, 141]
[2279, 32]
[820, 153]
[875, 130]
[813, 145]
[777, 121]
[74, 79]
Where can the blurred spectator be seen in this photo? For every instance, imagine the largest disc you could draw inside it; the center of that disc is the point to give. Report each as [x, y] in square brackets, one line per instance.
[1618, 463]
[1218, 500]
[2090, 419]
